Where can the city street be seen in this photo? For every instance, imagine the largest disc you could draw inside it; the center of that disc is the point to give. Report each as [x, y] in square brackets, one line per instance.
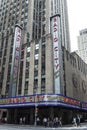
[26, 127]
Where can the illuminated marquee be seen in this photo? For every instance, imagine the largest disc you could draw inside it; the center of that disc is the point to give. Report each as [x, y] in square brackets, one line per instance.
[41, 100]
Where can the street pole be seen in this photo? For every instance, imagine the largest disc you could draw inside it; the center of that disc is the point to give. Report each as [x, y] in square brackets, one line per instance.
[35, 110]
[35, 116]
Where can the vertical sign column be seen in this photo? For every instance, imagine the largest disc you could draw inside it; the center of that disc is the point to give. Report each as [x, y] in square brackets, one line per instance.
[15, 61]
[55, 30]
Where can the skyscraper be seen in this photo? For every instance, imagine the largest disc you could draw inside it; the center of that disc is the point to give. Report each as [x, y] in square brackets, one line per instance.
[34, 17]
[82, 44]
[12, 13]
[35, 72]
[40, 21]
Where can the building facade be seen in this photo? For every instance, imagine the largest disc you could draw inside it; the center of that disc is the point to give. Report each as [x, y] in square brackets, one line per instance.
[34, 17]
[82, 44]
[46, 71]
[40, 21]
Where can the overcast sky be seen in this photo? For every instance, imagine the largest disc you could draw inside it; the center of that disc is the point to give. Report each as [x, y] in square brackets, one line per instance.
[77, 11]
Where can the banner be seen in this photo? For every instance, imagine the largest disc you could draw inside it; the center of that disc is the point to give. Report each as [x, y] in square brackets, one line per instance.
[55, 30]
[15, 61]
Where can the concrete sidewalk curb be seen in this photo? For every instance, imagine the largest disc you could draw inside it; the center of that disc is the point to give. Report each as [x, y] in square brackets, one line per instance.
[33, 126]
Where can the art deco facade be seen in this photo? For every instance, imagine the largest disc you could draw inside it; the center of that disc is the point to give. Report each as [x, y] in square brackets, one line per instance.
[35, 72]
[42, 11]
[34, 17]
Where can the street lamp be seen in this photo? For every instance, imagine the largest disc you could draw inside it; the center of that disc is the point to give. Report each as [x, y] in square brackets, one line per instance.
[36, 109]
[36, 104]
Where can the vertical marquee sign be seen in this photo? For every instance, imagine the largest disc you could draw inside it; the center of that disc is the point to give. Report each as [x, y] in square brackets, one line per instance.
[15, 61]
[55, 30]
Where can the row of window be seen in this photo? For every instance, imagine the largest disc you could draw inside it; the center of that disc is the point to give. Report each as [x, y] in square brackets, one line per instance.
[77, 62]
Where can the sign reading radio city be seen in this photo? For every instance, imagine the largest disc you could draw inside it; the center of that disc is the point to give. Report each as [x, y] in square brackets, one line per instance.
[17, 53]
[15, 60]
[46, 100]
[55, 30]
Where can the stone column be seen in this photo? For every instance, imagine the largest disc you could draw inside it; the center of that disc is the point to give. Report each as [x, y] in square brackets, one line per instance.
[15, 116]
[10, 116]
[49, 65]
[31, 116]
[51, 112]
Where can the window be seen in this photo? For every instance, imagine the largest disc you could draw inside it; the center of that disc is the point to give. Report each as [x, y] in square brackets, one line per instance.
[43, 39]
[25, 91]
[11, 50]
[36, 83]
[43, 48]
[27, 64]
[22, 54]
[43, 82]
[26, 85]
[36, 56]
[0, 54]
[28, 54]
[36, 51]
[37, 46]
[43, 29]
[43, 71]
[36, 62]
[35, 73]
[4, 60]
[27, 73]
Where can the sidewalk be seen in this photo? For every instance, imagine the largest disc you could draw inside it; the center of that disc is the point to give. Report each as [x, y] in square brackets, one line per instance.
[39, 126]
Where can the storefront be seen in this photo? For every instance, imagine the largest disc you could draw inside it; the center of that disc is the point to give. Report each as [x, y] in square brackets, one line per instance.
[41, 105]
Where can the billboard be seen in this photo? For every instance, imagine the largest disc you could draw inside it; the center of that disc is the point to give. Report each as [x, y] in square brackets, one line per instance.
[15, 61]
[55, 31]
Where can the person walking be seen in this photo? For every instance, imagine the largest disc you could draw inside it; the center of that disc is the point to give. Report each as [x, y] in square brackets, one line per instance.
[60, 121]
[24, 120]
[45, 121]
[38, 121]
[21, 120]
[74, 121]
[78, 120]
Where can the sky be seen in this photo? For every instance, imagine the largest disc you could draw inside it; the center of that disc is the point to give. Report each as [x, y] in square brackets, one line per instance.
[77, 13]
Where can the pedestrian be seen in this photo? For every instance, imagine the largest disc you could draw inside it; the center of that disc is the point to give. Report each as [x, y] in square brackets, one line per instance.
[60, 121]
[57, 121]
[20, 120]
[54, 122]
[38, 121]
[5, 119]
[74, 121]
[51, 122]
[24, 120]
[45, 121]
[78, 120]
[48, 121]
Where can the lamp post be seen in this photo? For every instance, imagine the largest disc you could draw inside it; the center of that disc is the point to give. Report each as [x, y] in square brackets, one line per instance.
[35, 111]
[36, 104]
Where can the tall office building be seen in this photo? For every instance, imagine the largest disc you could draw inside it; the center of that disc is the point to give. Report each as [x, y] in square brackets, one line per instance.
[31, 56]
[40, 21]
[82, 44]
[12, 13]
[34, 17]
